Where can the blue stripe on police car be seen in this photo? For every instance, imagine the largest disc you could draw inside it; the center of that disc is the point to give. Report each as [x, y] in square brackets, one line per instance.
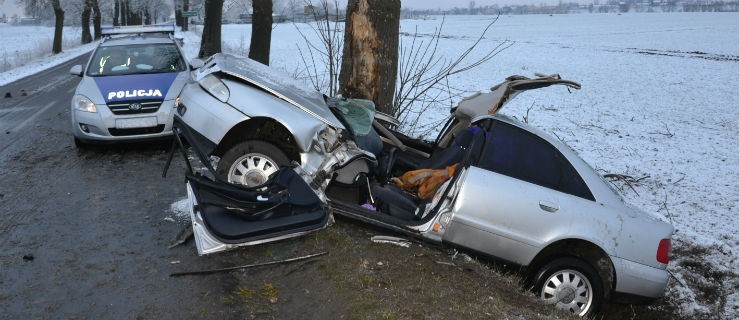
[135, 87]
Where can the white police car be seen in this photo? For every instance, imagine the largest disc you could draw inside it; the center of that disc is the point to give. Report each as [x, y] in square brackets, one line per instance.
[129, 86]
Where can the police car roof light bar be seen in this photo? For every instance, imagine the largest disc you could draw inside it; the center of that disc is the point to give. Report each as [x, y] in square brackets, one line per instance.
[159, 28]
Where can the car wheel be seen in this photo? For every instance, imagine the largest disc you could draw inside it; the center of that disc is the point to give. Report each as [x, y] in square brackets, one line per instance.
[570, 284]
[79, 143]
[251, 163]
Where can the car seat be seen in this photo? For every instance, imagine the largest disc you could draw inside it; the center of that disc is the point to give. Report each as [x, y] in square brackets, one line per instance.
[391, 200]
[443, 158]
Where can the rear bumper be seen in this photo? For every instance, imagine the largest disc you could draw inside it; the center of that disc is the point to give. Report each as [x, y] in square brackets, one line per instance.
[635, 279]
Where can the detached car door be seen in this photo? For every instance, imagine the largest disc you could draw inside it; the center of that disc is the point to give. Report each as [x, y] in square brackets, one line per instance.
[520, 196]
[225, 216]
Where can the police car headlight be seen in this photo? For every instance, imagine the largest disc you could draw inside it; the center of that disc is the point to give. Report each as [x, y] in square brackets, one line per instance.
[82, 103]
[215, 87]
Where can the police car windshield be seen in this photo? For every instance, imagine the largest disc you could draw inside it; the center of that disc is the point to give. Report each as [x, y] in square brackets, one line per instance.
[136, 59]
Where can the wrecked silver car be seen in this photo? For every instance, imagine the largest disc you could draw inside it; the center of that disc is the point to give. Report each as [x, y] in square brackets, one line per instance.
[280, 160]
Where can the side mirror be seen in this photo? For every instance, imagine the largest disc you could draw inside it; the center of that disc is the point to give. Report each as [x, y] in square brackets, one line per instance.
[196, 63]
[76, 70]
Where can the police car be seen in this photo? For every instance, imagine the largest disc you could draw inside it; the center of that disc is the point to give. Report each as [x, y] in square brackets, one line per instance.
[129, 86]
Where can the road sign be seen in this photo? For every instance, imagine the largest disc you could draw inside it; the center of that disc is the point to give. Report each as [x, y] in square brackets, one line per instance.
[188, 14]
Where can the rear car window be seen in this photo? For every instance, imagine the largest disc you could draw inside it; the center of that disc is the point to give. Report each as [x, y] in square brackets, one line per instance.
[136, 59]
[522, 155]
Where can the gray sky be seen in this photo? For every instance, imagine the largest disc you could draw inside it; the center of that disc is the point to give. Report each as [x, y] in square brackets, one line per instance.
[9, 8]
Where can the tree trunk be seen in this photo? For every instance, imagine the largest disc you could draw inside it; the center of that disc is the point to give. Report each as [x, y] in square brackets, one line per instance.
[116, 12]
[185, 20]
[131, 16]
[261, 31]
[147, 16]
[124, 12]
[58, 26]
[178, 17]
[369, 65]
[85, 23]
[96, 19]
[211, 40]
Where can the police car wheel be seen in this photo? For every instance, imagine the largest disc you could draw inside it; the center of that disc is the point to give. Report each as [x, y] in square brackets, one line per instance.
[251, 163]
[79, 143]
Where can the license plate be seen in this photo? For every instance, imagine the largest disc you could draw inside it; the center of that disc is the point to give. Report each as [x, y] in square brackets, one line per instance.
[136, 122]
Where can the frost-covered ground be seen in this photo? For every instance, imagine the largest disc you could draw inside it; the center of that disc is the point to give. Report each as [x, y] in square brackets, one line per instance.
[659, 103]
[25, 50]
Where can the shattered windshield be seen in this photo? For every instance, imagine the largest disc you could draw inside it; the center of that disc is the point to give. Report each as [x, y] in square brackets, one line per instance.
[136, 59]
[358, 114]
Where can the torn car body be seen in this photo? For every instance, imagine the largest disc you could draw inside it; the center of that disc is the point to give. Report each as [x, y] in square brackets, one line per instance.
[289, 158]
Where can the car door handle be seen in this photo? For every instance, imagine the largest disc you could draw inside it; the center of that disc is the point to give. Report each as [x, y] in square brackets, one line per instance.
[548, 206]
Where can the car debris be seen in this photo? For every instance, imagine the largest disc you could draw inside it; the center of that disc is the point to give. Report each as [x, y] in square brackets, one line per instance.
[210, 271]
[391, 240]
[458, 255]
[182, 237]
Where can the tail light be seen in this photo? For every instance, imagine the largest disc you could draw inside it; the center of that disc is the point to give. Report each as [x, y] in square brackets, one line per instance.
[663, 251]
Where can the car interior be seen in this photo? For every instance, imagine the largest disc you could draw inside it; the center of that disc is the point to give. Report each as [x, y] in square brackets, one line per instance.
[120, 59]
[376, 193]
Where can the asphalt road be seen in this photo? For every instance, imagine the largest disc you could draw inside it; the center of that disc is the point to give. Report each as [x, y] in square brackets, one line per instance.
[84, 233]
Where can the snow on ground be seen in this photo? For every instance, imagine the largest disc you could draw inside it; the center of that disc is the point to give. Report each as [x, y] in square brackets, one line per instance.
[658, 102]
[26, 50]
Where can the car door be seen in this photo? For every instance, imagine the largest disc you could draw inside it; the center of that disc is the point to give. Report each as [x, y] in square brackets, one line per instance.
[225, 216]
[521, 194]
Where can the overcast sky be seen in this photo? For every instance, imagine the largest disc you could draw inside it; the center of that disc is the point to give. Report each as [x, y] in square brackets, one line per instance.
[9, 8]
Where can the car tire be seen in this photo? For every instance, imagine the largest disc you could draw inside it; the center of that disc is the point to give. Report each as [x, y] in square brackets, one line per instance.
[570, 284]
[251, 163]
[79, 144]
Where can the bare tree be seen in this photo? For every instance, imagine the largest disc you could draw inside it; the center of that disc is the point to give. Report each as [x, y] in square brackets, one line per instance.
[423, 79]
[116, 12]
[369, 63]
[261, 31]
[185, 20]
[211, 39]
[85, 21]
[124, 12]
[38, 9]
[58, 26]
[328, 52]
[96, 18]
[185, 5]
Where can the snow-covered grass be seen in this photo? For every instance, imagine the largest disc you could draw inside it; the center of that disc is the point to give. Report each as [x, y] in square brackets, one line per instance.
[25, 50]
[659, 101]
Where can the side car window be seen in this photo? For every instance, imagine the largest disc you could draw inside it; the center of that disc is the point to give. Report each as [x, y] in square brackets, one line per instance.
[522, 155]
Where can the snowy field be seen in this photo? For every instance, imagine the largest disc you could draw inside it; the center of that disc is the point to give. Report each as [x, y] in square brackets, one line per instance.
[25, 50]
[22, 44]
[659, 103]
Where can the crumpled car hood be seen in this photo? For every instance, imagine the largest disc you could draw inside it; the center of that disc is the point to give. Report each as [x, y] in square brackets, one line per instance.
[273, 81]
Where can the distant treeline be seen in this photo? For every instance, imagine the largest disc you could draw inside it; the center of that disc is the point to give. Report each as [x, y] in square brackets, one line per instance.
[609, 6]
